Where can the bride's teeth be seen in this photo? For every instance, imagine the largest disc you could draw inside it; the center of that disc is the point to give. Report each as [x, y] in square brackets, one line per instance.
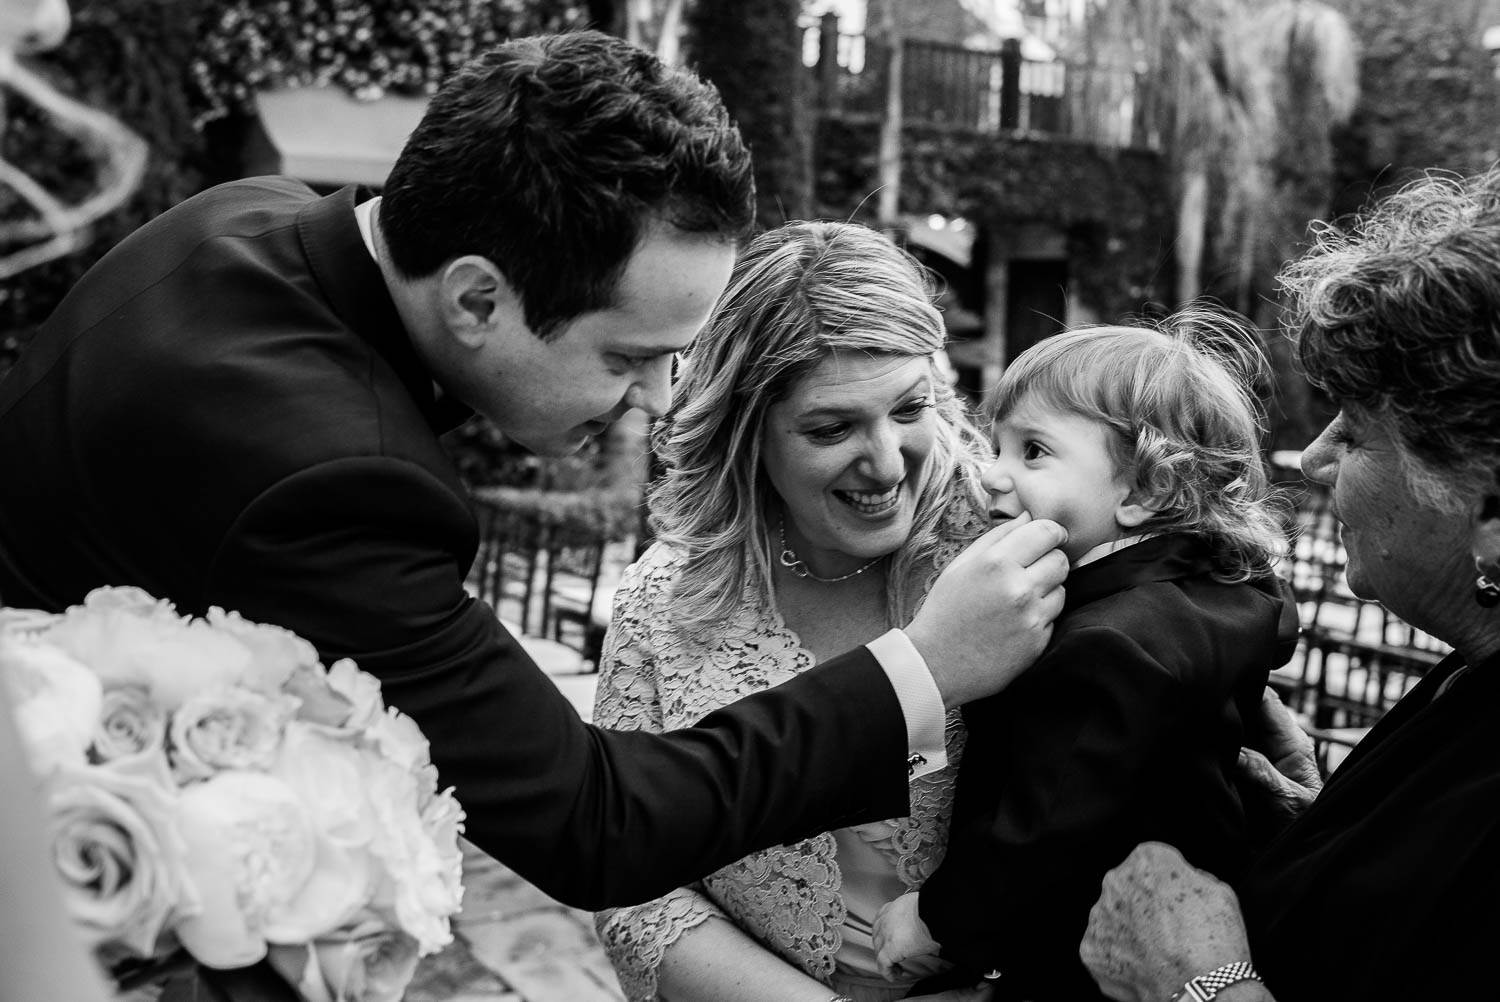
[871, 498]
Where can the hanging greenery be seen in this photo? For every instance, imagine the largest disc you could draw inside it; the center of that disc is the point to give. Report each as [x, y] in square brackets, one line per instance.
[367, 47]
[126, 58]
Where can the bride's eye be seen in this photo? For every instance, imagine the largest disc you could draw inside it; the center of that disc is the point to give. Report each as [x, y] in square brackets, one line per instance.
[828, 433]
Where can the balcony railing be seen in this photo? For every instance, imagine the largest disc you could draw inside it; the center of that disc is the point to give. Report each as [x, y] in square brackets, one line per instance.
[985, 91]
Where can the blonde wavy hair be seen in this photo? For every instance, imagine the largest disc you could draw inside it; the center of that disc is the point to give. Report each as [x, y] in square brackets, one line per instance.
[798, 294]
[1186, 426]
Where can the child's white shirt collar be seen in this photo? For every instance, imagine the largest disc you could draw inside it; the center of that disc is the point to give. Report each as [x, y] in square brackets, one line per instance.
[1113, 546]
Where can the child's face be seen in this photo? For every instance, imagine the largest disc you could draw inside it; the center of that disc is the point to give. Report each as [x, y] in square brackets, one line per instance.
[1056, 464]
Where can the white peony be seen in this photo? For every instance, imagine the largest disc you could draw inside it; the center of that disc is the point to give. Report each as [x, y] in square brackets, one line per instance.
[275, 653]
[250, 848]
[361, 689]
[55, 699]
[128, 640]
[328, 775]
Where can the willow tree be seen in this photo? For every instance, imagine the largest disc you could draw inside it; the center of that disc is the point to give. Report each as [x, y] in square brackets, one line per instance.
[1311, 55]
[1201, 100]
[1241, 97]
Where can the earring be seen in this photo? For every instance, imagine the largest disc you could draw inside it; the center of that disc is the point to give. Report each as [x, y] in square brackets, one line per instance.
[1486, 591]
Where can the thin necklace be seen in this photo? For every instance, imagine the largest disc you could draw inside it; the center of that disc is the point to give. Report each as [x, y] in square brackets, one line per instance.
[798, 566]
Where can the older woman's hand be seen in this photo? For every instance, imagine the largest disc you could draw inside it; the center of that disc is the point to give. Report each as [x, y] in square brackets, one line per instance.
[899, 933]
[1288, 771]
[1157, 923]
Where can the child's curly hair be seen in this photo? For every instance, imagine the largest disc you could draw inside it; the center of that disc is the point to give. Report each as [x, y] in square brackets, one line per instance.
[1186, 425]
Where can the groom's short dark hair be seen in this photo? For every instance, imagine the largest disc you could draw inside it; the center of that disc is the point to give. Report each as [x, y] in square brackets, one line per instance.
[550, 155]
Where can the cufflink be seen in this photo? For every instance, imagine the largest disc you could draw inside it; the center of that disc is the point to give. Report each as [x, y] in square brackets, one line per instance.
[913, 761]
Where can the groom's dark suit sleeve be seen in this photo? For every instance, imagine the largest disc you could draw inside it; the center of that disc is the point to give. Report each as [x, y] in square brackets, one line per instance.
[357, 555]
[226, 411]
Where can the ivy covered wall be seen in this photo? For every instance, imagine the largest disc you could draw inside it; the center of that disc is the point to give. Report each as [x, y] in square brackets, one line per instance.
[1111, 204]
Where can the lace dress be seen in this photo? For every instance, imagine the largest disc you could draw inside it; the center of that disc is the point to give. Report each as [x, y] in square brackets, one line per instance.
[795, 899]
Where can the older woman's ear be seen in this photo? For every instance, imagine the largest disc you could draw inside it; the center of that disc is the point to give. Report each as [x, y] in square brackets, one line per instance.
[1486, 548]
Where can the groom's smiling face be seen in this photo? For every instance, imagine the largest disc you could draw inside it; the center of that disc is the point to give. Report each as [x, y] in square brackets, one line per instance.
[552, 395]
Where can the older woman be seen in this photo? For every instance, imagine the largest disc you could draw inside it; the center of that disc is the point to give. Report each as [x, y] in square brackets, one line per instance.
[819, 473]
[1385, 886]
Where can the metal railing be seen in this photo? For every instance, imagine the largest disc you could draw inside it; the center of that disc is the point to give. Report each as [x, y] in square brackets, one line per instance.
[978, 90]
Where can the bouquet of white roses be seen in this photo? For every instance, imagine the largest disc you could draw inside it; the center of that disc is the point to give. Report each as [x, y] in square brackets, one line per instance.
[212, 787]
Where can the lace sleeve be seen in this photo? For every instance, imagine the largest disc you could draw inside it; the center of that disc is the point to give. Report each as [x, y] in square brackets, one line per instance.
[629, 698]
[636, 938]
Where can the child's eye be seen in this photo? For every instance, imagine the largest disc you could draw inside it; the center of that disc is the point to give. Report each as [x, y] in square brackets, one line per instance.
[1032, 450]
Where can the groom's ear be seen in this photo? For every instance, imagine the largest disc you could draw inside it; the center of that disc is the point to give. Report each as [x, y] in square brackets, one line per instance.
[476, 300]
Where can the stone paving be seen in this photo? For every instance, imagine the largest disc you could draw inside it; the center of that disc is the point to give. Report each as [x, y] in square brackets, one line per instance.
[513, 943]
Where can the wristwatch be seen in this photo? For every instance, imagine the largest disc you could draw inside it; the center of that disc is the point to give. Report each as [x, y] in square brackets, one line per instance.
[1207, 986]
[841, 998]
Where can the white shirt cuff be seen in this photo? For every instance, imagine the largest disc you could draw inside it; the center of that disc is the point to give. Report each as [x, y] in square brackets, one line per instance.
[920, 701]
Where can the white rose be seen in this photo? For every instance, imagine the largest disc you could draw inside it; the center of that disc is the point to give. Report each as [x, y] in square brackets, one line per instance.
[118, 851]
[371, 963]
[56, 701]
[250, 847]
[130, 723]
[343, 699]
[231, 728]
[317, 701]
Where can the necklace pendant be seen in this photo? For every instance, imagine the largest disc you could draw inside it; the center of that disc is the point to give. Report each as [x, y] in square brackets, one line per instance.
[799, 567]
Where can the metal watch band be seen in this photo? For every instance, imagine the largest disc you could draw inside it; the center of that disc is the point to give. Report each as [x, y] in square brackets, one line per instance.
[841, 998]
[1205, 987]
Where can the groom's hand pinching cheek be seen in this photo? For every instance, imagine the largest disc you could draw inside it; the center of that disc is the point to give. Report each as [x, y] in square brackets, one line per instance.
[989, 614]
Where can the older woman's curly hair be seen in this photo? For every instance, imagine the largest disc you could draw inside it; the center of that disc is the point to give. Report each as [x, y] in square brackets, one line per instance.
[798, 294]
[1186, 426]
[1397, 318]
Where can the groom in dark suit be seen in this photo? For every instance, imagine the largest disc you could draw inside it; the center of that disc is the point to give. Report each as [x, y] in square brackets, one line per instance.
[240, 406]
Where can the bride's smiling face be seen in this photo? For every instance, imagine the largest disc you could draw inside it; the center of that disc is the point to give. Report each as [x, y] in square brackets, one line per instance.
[846, 450]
